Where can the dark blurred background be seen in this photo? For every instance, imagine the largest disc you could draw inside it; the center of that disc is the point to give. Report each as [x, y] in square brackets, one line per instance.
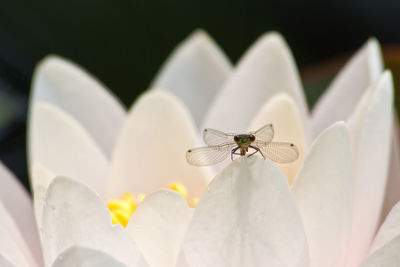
[124, 43]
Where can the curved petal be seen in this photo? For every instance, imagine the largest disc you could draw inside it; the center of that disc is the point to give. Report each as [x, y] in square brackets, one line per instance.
[19, 205]
[370, 128]
[267, 68]
[158, 226]
[59, 143]
[74, 215]
[86, 257]
[194, 72]
[342, 95]
[150, 152]
[388, 230]
[69, 87]
[324, 194]
[282, 112]
[388, 256]
[247, 217]
[12, 244]
[392, 192]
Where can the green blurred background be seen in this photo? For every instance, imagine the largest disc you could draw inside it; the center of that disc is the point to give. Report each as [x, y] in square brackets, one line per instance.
[124, 43]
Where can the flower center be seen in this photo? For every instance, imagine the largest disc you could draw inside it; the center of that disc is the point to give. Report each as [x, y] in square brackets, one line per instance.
[122, 209]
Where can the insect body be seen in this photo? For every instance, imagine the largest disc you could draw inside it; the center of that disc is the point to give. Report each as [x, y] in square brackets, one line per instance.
[220, 145]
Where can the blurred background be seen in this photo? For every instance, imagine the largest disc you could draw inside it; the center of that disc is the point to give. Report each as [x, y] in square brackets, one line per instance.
[124, 42]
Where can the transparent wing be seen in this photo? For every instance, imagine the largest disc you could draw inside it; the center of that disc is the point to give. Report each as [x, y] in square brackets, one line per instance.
[265, 133]
[215, 138]
[208, 155]
[280, 152]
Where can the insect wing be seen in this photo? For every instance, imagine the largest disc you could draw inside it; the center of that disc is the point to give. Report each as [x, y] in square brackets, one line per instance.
[265, 133]
[208, 155]
[280, 152]
[214, 137]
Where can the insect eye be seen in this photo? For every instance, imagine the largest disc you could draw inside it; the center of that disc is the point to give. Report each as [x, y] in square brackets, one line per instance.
[252, 138]
[236, 138]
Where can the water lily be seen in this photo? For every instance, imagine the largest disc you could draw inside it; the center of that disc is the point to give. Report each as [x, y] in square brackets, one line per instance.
[85, 150]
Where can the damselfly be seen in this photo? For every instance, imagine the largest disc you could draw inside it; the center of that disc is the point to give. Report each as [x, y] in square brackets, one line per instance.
[220, 145]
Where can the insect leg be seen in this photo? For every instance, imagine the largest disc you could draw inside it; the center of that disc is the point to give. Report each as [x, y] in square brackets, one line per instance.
[256, 150]
[233, 152]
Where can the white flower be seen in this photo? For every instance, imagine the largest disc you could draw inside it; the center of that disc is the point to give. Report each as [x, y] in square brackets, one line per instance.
[324, 210]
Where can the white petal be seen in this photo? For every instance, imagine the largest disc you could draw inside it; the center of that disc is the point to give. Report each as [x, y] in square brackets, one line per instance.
[247, 217]
[392, 194]
[194, 72]
[388, 256]
[66, 85]
[388, 230]
[4, 262]
[150, 152]
[158, 226]
[339, 99]
[74, 215]
[60, 144]
[86, 257]
[282, 112]
[324, 193]
[41, 178]
[19, 205]
[266, 69]
[12, 244]
[370, 128]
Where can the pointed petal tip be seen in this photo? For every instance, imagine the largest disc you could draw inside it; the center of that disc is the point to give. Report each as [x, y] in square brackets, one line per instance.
[340, 125]
[373, 48]
[200, 35]
[52, 60]
[274, 36]
[165, 96]
[338, 128]
[161, 193]
[270, 39]
[254, 162]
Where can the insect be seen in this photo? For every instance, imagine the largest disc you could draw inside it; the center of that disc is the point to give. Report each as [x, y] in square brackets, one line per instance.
[220, 145]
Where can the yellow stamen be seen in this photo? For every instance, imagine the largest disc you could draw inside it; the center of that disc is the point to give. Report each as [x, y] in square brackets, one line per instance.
[123, 208]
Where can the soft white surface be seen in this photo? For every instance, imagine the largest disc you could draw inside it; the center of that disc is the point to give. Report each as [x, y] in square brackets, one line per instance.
[283, 113]
[338, 101]
[41, 178]
[194, 72]
[69, 87]
[392, 194]
[370, 128]
[158, 226]
[247, 217]
[388, 230]
[4, 262]
[388, 256]
[60, 144]
[85, 257]
[12, 245]
[150, 152]
[267, 68]
[324, 194]
[18, 204]
[74, 215]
